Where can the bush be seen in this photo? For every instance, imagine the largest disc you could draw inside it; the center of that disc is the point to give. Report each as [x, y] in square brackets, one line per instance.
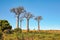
[8, 31]
[17, 30]
[4, 24]
[0, 34]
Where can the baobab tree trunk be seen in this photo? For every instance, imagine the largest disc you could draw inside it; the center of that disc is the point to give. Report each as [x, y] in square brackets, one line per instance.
[38, 25]
[27, 24]
[20, 24]
[17, 21]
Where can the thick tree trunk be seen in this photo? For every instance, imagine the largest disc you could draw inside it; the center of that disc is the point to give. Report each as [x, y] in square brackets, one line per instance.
[38, 26]
[27, 25]
[17, 21]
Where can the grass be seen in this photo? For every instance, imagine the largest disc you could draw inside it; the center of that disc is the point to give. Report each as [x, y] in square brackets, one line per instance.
[42, 35]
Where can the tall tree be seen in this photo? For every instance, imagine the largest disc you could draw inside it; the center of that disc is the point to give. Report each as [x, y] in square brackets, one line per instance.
[17, 12]
[21, 19]
[28, 15]
[38, 18]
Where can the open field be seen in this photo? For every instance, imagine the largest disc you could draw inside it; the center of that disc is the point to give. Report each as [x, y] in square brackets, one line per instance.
[34, 35]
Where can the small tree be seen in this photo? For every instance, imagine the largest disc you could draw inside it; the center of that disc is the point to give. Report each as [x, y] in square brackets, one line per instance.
[17, 12]
[4, 25]
[38, 18]
[28, 15]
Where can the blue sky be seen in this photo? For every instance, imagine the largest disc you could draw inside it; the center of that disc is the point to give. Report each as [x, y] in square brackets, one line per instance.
[48, 9]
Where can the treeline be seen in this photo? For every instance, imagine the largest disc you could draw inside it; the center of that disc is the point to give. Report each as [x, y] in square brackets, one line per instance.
[19, 17]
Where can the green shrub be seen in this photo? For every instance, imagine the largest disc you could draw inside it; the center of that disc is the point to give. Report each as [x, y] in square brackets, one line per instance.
[17, 30]
[0, 34]
[4, 24]
[7, 31]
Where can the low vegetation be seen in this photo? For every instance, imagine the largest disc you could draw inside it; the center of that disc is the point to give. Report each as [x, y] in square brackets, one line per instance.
[7, 33]
[42, 35]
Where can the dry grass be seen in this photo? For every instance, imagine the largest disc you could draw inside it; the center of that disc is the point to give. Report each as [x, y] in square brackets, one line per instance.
[34, 35]
[49, 31]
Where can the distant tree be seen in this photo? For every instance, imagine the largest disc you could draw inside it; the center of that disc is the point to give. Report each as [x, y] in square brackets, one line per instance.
[4, 25]
[38, 18]
[21, 19]
[17, 12]
[28, 15]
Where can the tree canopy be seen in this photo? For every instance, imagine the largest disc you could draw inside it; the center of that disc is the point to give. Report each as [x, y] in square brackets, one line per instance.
[4, 24]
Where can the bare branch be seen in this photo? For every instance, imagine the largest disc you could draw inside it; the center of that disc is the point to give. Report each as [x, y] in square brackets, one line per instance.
[18, 10]
[28, 15]
[38, 18]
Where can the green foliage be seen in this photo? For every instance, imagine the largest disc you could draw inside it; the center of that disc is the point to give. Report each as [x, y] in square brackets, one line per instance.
[4, 24]
[1, 34]
[17, 30]
[32, 36]
[7, 31]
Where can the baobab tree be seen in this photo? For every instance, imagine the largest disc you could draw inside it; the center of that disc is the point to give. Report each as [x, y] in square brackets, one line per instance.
[28, 15]
[17, 12]
[21, 19]
[38, 18]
